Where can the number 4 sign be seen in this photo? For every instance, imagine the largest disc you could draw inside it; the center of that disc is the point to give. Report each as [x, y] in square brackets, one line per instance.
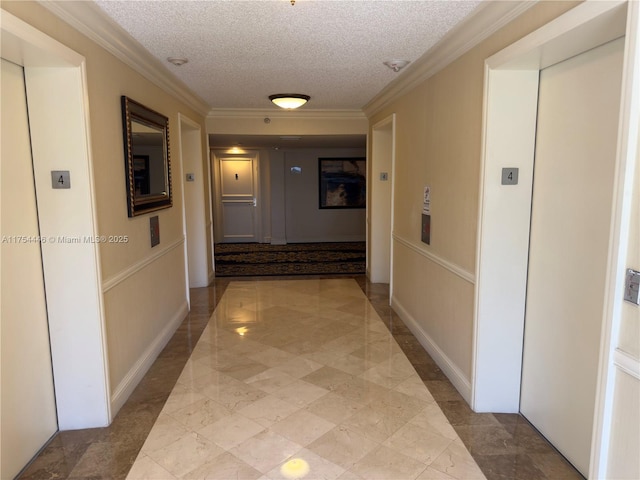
[60, 179]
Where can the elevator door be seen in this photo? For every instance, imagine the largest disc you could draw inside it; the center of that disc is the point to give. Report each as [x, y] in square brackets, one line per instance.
[28, 401]
[570, 222]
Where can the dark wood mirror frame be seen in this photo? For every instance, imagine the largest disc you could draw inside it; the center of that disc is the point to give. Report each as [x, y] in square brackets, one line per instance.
[146, 158]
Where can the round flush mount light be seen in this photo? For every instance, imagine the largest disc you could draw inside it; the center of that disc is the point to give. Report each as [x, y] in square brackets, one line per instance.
[396, 65]
[177, 61]
[289, 101]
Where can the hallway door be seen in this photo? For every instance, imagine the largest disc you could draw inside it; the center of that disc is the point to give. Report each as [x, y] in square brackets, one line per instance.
[28, 400]
[239, 198]
[570, 223]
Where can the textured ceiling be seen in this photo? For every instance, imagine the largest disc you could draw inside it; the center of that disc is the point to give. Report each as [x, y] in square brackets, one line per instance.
[241, 51]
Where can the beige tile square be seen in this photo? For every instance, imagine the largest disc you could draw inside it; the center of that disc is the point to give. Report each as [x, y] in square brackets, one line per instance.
[433, 474]
[244, 371]
[145, 468]
[265, 450]
[268, 410]
[298, 367]
[223, 467]
[342, 446]
[390, 372]
[181, 396]
[300, 393]
[349, 364]
[374, 424]
[193, 371]
[272, 356]
[189, 452]
[360, 390]
[231, 431]
[414, 387]
[200, 414]
[457, 462]
[384, 464]
[233, 394]
[350, 476]
[302, 427]
[328, 378]
[431, 418]
[418, 443]
[165, 431]
[270, 380]
[334, 408]
[319, 468]
[398, 405]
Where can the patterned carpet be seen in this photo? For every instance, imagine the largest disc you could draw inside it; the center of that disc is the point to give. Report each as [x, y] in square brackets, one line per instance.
[254, 259]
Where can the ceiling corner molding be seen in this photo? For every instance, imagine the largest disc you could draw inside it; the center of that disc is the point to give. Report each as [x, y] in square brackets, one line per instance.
[271, 113]
[88, 19]
[488, 18]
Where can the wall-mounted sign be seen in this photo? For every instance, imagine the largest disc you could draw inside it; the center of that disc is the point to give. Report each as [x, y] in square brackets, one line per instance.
[426, 215]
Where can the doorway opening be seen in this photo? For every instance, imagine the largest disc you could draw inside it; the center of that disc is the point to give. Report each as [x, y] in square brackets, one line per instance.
[511, 93]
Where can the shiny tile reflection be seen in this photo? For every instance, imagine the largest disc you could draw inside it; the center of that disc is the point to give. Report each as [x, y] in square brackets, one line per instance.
[186, 376]
[348, 402]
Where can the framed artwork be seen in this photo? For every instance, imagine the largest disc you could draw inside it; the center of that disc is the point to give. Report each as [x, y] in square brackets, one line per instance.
[342, 182]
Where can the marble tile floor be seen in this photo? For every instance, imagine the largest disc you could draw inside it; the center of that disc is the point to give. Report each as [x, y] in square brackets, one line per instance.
[290, 369]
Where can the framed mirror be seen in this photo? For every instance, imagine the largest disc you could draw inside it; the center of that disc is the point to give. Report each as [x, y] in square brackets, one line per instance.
[146, 158]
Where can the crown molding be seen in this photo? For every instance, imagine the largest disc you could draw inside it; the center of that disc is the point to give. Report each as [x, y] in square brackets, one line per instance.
[488, 18]
[271, 113]
[88, 19]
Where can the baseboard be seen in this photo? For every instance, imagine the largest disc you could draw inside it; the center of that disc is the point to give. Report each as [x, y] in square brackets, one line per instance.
[211, 278]
[332, 239]
[449, 368]
[131, 380]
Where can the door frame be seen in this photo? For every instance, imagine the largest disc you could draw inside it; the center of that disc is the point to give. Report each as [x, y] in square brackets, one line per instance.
[380, 221]
[510, 110]
[196, 216]
[217, 178]
[72, 273]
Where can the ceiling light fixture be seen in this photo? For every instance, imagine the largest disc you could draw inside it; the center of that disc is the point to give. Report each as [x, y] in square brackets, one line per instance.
[396, 65]
[177, 61]
[293, 2]
[289, 101]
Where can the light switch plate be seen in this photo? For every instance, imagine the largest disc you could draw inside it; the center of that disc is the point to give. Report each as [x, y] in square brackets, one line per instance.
[510, 176]
[154, 230]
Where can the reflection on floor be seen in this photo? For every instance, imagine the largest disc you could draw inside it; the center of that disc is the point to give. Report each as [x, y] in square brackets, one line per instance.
[308, 371]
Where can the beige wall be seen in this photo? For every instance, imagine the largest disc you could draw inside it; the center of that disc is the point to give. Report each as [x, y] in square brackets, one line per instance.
[438, 143]
[144, 293]
[304, 220]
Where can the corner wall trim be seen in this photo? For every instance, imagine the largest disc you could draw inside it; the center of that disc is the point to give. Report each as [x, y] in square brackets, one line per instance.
[447, 265]
[488, 19]
[88, 18]
[118, 278]
[462, 384]
[124, 389]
